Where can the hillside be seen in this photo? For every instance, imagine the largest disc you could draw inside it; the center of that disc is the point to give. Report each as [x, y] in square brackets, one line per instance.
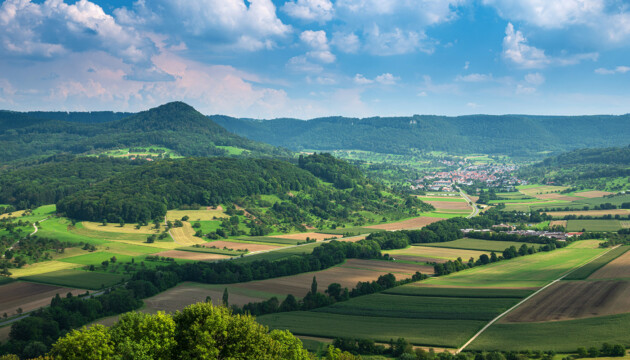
[601, 168]
[176, 126]
[514, 135]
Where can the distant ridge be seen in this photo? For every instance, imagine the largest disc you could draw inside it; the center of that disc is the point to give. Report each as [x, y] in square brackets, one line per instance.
[514, 135]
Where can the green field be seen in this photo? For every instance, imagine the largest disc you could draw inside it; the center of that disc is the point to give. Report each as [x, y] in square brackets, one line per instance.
[615, 200]
[593, 225]
[77, 279]
[445, 292]
[586, 271]
[281, 254]
[207, 226]
[232, 150]
[96, 258]
[57, 228]
[482, 245]
[561, 336]
[421, 307]
[525, 271]
[430, 332]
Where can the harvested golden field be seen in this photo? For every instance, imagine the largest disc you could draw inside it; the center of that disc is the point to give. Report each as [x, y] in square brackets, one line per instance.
[189, 255]
[625, 224]
[353, 238]
[433, 253]
[415, 223]
[29, 296]
[201, 215]
[187, 293]
[311, 235]
[449, 205]
[593, 194]
[568, 300]
[618, 268]
[562, 223]
[185, 235]
[595, 213]
[42, 267]
[348, 275]
[127, 229]
[548, 192]
[240, 246]
[15, 214]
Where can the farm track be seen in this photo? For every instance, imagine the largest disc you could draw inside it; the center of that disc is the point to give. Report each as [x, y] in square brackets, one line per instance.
[526, 299]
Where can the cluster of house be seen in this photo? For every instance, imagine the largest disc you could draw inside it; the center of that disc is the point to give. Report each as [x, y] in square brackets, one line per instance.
[558, 235]
[494, 175]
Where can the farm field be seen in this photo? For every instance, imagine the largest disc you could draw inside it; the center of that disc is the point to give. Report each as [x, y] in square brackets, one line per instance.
[415, 223]
[450, 205]
[562, 223]
[546, 192]
[29, 296]
[311, 235]
[595, 213]
[251, 247]
[190, 255]
[619, 268]
[347, 274]
[593, 225]
[185, 235]
[523, 272]
[592, 194]
[194, 215]
[479, 245]
[77, 279]
[568, 300]
[281, 253]
[42, 267]
[429, 332]
[546, 335]
[417, 251]
[595, 265]
[126, 229]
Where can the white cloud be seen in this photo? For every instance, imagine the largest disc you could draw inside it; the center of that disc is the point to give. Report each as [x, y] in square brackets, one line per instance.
[301, 64]
[318, 43]
[474, 78]
[346, 42]
[312, 10]
[395, 42]
[386, 79]
[517, 51]
[472, 105]
[362, 80]
[617, 70]
[607, 20]
[524, 89]
[536, 79]
[422, 12]
[466, 65]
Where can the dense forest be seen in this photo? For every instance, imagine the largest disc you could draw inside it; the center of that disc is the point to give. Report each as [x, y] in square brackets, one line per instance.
[514, 135]
[584, 168]
[144, 193]
[176, 126]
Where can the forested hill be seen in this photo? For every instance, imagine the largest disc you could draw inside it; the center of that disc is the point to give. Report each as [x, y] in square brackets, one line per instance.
[588, 168]
[515, 135]
[176, 126]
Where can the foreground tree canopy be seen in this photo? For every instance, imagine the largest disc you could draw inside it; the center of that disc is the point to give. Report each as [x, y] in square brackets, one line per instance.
[200, 331]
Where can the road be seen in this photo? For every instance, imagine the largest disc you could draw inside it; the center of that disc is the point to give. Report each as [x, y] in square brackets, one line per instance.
[474, 206]
[529, 297]
[33, 233]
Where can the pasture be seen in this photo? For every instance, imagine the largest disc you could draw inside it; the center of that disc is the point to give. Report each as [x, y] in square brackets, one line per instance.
[593, 225]
[77, 279]
[523, 272]
[479, 245]
[560, 336]
[96, 258]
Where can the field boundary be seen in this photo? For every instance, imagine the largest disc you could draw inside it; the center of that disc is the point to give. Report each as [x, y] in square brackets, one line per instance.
[527, 298]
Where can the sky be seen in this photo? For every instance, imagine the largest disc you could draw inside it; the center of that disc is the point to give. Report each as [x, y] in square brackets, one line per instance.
[314, 58]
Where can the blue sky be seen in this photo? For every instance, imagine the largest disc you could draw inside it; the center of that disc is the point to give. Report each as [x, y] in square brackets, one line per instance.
[311, 58]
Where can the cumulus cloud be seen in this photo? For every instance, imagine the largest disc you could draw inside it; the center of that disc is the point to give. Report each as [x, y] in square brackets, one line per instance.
[54, 28]
[517, 51]
[310, 10]
[396, 42]
[319, 53]
[346, 42]
[536, 79]
[383, 79]
[608, 22]
[616, 70]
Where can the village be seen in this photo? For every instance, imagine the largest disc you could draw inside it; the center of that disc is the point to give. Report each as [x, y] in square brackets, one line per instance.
[490, 176]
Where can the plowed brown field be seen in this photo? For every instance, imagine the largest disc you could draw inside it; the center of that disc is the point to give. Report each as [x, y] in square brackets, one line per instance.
[29, 296]
[348, 275]
[618, 268]
[593, 194]
[189, 255]
[573, 300]
[311, 235]
[415, 223]
[450, 205]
